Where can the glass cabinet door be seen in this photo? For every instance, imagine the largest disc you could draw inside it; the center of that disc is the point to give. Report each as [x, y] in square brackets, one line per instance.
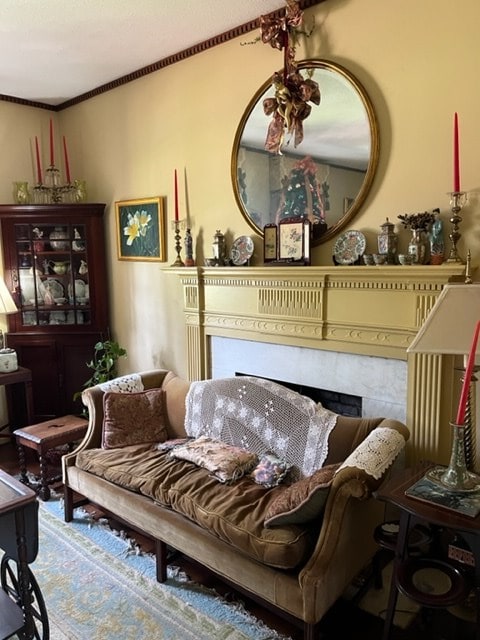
[52, 264]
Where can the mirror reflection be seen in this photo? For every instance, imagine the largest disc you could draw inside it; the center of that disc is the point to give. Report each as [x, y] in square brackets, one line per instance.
[327, 176]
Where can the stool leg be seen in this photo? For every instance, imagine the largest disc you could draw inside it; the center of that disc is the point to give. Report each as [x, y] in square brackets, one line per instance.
[22, 463]
[44, 492]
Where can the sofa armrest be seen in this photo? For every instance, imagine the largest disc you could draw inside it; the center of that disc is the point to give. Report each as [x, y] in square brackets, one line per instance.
[358, 477]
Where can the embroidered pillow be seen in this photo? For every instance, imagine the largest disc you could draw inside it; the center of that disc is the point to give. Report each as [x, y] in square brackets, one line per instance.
[226, 462]
[302, 501]
[134, 418]
[270, 471]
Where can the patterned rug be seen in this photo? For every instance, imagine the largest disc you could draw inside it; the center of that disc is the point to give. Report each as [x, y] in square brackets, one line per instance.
[98, 586]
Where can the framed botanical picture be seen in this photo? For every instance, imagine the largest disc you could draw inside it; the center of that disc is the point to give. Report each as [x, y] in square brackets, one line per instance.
[294, 241]
[141, 229]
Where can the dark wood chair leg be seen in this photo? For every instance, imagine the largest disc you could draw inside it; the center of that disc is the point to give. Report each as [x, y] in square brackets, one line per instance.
[161, 556]
[310, 631]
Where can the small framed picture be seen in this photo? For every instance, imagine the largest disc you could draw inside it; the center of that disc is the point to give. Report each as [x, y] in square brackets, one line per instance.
[140, 229]
[270, 242]
[294, 241]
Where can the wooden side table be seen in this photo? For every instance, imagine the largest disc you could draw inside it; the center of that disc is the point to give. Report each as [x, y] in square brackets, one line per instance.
[18, 388]
[45, 436]
[412, 513]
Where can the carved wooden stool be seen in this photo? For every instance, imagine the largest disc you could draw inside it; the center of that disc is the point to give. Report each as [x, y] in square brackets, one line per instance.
[45, 436]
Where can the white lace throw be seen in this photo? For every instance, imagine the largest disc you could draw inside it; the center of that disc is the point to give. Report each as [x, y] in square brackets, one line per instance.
[131, 383]
[260, 415]
[377, 452]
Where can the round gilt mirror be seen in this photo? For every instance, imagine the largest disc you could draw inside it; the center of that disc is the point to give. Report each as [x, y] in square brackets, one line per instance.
[339, 151]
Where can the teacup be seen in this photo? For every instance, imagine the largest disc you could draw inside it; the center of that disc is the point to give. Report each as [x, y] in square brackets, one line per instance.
[368, 258]
[404, 258]
[379, 258]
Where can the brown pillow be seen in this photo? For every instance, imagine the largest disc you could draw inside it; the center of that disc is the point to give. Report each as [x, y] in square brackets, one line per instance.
[134, 418]
[302, 501]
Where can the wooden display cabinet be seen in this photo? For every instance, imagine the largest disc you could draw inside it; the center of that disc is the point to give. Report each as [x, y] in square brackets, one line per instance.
[54, 264]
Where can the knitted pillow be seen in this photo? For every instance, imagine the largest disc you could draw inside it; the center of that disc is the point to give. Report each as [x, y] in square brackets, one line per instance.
[226, 462]
[134, 418]
[302, 501]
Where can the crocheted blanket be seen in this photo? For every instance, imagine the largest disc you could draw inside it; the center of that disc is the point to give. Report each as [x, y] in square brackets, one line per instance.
[261, 416]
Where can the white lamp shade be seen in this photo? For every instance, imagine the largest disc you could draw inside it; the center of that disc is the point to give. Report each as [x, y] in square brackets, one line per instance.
[450, 326]
[7, 305]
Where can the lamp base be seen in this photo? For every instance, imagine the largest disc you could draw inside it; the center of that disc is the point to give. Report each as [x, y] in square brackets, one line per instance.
[451, 480]
[456, 477]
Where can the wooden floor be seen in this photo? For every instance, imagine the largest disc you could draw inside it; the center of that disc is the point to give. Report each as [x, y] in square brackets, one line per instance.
[342, 621]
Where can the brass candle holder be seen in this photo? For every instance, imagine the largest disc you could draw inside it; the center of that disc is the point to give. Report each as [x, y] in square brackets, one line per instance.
[458, 200]
[178, 225]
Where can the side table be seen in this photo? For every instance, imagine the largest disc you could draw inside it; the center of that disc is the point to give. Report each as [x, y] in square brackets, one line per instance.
[415, 512]
[45, 436]
[13, 381]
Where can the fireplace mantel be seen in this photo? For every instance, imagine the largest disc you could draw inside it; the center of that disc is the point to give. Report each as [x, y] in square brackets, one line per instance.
[373, 311]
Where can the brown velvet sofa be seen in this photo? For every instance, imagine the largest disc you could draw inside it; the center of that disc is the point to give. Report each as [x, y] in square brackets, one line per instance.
[323, 556]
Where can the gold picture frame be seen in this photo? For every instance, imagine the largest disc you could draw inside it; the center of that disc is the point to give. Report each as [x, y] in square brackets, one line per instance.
[141, 229]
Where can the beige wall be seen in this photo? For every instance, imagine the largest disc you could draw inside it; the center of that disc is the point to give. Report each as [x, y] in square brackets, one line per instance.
[417, 60]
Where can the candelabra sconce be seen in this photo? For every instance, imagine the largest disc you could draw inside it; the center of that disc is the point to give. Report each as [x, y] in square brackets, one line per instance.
[178, 225]
[458, 200]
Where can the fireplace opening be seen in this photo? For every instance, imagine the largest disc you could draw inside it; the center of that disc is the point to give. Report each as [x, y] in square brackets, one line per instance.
[342, 403]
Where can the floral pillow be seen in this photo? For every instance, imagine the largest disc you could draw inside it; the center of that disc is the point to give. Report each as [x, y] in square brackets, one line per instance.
[226, 462]
[270, 471]
[134, 418]
[302, 501]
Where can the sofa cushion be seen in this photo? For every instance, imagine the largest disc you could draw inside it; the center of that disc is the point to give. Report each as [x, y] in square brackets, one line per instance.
[226, 462]
[134, 418]
[234, 513]
[302, 501]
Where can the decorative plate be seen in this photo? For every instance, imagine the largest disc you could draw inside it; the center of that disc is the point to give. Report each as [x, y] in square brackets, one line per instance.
[80, 287]
[54, 286]
[349, 246]
[241, 251]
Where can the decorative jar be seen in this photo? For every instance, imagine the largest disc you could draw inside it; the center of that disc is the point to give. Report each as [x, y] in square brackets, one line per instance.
[59, 239]
[21, 194]
[388, 242]
[419, 247]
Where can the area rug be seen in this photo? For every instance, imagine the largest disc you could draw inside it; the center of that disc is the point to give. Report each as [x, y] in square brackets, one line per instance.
[97, 586]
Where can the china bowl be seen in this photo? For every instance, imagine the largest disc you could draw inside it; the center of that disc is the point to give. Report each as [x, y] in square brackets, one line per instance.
[368, 258]
[379, 258]
[404, 258]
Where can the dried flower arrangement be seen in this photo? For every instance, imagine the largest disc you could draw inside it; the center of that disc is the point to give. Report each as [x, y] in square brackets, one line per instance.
[289, 107]
[422, 221]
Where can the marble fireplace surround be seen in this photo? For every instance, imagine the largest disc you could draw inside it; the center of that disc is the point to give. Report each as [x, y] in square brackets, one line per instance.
[358, 320]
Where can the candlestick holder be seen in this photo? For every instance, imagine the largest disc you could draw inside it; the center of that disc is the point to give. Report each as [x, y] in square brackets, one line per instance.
[456, 478]
[176, 226]
[458, 200]
[52, 191]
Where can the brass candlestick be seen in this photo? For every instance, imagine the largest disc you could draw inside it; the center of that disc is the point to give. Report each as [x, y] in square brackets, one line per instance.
[176, 226]
[458, 200]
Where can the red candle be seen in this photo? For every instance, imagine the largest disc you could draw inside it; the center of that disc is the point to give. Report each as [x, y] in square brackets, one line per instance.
[39, 166]
[52, 163]
[456, 160]
[176, 197]
[468, 377]
[67, 166]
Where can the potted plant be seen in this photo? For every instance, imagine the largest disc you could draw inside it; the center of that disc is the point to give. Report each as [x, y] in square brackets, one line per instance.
[104, 363]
